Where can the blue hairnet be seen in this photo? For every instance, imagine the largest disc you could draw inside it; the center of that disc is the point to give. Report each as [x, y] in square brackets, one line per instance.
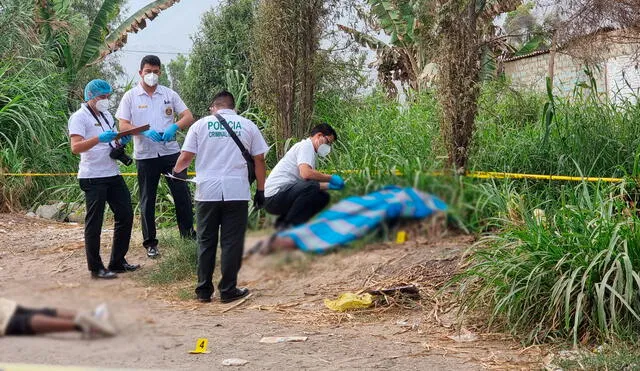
[96, 88]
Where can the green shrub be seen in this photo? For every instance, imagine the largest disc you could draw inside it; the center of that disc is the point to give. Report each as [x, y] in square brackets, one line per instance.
[574, 275]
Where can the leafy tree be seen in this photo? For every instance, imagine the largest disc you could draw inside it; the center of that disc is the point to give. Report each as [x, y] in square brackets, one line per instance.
[287, 40]
[177, 69]
[76, 51]
[525, 32]
[400, 59]
[459, 30]
[222, 43]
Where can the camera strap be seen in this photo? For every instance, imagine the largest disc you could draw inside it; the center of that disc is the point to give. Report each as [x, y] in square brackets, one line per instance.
[98, 120]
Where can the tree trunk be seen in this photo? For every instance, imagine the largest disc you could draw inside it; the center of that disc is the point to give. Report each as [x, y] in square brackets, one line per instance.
[287, 39]
[458, 81]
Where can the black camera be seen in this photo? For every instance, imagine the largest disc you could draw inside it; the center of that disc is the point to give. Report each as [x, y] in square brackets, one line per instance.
[118, 154]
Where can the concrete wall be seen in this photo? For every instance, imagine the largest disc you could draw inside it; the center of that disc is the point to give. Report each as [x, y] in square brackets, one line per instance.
[617, 77]
[530, 73]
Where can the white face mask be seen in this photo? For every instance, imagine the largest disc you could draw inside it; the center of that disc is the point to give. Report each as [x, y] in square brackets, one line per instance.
[102, 105]
[323, 150]
[150, 79]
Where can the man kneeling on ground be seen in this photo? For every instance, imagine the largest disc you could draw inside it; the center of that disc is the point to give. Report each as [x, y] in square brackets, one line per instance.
[295, 190]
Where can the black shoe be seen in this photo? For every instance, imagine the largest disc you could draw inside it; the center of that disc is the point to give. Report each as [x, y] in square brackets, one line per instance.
[104, 274]
[153, 252]
[126, 267]
[204, 300]
[236, 294]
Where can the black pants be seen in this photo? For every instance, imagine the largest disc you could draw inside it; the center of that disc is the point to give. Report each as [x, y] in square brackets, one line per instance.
[20, 321]
[97, 193]
[149, 173]
[297, 203]
[230, 219]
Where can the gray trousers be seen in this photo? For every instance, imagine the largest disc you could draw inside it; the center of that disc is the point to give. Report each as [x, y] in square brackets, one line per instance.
[229, 219]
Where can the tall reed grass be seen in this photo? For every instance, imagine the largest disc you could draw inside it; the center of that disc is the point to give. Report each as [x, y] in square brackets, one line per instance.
[574, 274]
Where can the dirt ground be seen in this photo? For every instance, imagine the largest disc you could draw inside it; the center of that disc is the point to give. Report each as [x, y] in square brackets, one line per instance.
[42, 263]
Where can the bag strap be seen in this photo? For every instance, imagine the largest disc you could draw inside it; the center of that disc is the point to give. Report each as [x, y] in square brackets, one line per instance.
[98, 120]
[235, 138]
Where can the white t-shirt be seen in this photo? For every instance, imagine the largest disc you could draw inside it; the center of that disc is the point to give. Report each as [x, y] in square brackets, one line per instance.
[221, 171]
[286, 170]
[157, 110]
[94, 163]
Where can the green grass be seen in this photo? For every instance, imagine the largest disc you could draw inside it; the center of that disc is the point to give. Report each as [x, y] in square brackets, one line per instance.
[575, 276]
[177, 262]
[616, 357]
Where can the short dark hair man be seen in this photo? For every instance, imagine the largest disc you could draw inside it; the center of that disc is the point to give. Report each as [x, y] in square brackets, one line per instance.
[222, 192]
[156, 149]
[295, 190]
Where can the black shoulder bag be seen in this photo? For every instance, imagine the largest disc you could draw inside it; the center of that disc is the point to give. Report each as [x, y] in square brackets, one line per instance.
[251, 165]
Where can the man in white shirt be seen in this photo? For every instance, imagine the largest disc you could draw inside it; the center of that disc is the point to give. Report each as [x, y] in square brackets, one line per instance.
[222, 192]
[156, 149]
[295, 190]
[91, 132]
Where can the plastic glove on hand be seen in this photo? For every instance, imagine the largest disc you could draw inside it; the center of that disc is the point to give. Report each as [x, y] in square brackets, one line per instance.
[153, 135]
[334, 187]
[170, 133]
[258, 200]
[107, 136]
[336, 181]
[125, 140]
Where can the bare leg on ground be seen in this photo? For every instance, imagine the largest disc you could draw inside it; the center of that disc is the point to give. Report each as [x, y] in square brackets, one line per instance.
[42, 324]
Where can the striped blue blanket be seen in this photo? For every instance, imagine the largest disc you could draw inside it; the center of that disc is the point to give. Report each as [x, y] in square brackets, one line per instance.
[355, 216]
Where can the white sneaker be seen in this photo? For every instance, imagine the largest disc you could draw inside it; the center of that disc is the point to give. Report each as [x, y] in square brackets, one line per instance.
[102, 312]
[92, 325]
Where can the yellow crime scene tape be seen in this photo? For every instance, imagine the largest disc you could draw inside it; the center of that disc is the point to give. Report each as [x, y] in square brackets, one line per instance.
[471, 174]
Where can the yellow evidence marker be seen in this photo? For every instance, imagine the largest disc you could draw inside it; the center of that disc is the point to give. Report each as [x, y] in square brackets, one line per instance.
[201, 347]
[401, 237]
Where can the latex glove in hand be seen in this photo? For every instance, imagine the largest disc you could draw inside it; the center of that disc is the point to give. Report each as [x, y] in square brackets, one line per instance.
[258, 200]
[170, 133]
[335, 187]
[107, 136]
[180, 175]
[336, 181]
[125, 140]
[153, 135]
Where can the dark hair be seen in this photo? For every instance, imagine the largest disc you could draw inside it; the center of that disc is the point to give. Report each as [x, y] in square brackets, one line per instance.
[150, 60]
[325, 129]
[224, 99]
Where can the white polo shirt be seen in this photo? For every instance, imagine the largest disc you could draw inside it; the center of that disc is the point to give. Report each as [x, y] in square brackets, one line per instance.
[221, 171]
[157, 110]
[94, 163]
[287, 169]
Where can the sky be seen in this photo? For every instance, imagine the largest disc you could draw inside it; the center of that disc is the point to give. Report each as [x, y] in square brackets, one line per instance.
[165, 36]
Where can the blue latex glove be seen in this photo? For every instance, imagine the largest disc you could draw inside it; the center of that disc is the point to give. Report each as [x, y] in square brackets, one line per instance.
[107, 136]
[334, 187]
[125, 139]
[336, 181]
[153, 135]
[170, 133]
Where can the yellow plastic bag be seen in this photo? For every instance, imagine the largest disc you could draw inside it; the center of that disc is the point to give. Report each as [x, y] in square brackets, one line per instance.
[349, 301]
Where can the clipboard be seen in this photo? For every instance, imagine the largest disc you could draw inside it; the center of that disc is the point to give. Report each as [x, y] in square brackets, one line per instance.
[136, 130]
